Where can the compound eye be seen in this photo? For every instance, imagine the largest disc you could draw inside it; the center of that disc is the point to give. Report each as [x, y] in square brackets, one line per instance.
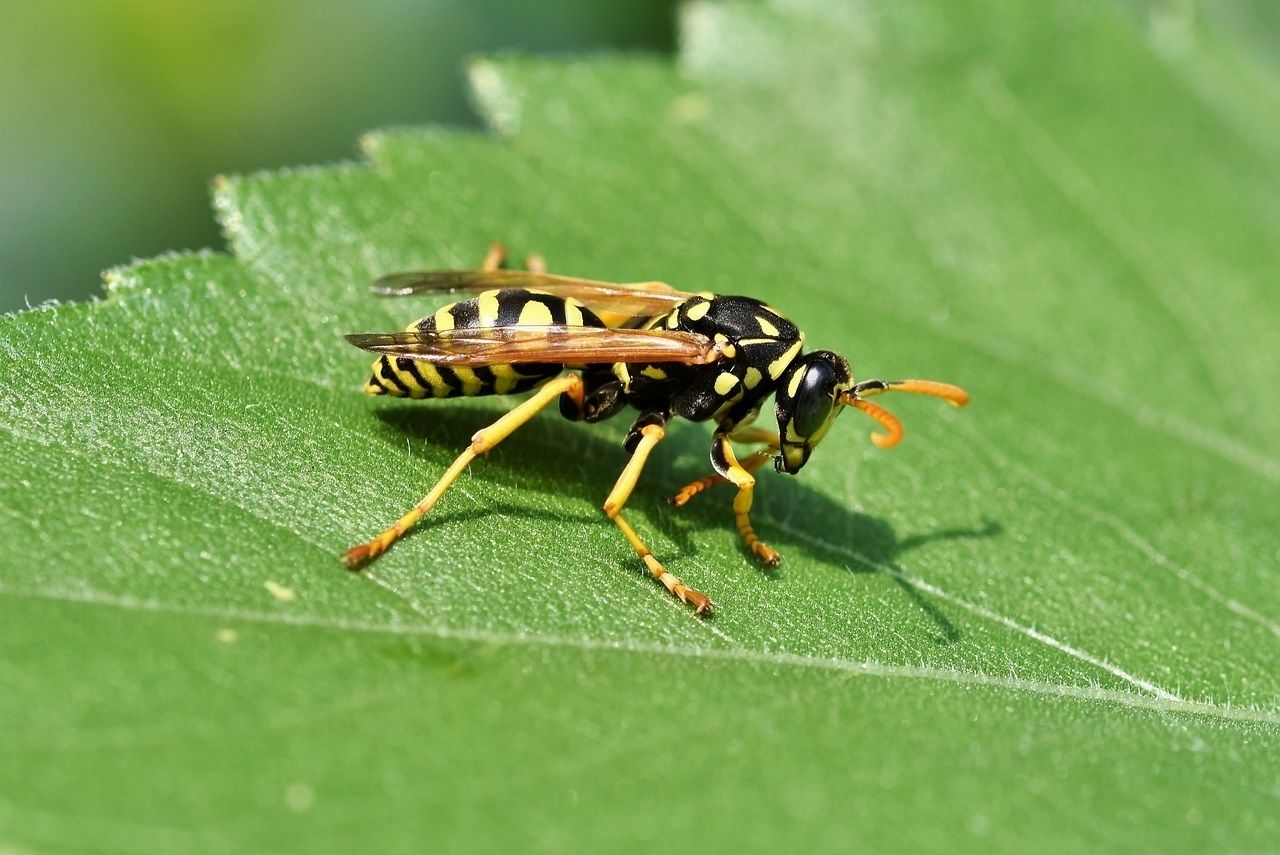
[815, 399]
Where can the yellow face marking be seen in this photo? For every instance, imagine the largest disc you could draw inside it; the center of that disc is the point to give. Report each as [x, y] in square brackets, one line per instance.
[752, 378]
[654, 373]
[697, 312]
[766, 327]
[725, 383]
[535, 314]
[487, 304]
[444, 318]
[780, 364]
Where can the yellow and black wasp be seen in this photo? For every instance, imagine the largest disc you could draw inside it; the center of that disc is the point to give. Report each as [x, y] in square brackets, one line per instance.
[598, 347]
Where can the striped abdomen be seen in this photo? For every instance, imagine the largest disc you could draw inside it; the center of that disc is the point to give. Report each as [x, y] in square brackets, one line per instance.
[408, 378]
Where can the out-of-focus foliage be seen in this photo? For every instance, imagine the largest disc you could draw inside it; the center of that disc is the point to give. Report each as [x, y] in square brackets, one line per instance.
[114, 113]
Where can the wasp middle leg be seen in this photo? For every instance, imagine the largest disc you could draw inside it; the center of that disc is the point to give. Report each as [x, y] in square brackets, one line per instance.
[649, 436]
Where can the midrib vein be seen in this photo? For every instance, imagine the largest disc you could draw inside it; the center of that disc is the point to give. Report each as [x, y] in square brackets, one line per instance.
[1130, 700]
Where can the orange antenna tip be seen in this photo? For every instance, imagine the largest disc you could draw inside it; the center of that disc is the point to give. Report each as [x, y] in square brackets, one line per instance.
[953, 395]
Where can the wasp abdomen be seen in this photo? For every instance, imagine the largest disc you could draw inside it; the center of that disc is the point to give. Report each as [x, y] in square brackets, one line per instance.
[408, 378]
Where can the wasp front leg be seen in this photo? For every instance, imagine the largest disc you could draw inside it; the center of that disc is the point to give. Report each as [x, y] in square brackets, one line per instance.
[731, 470]
[751, 463]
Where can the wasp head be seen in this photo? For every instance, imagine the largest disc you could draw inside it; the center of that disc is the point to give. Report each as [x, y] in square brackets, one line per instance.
[808, 401]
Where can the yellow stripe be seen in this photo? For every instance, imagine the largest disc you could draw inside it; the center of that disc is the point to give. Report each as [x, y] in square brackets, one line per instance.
[439, 389]
[535, 314]
[766, 327]
[780, 364]
[487, 304]
[471, 384]
[505, 378]
[794, 385]
[415, 388]
[573, 312]
[444, 318]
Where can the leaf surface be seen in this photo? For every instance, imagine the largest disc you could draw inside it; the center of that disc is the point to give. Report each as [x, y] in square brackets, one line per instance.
[1050, 618]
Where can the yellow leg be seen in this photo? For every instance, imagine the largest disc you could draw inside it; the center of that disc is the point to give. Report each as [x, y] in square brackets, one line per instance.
[650, 436]
[481, 442]
[750, 463]
[746, 484]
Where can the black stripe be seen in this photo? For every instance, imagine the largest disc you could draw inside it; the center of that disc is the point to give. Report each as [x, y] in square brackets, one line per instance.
[410, 366]
[427, 324]
[466, 315]
[376, 381]
[510, 305]
[485, 375]
[390, 376]
[556, 307]
[449, 378]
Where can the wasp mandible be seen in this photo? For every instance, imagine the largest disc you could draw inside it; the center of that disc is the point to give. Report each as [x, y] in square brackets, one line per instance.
[598, 347]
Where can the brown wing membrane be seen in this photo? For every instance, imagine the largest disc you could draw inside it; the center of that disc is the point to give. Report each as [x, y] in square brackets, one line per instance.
[620, 302]
[512, 345]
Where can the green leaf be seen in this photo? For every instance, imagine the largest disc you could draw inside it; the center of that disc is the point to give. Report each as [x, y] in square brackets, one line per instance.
[1048, 620]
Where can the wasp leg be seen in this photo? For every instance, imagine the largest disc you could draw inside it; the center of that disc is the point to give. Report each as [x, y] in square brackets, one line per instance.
[497, 256]
[650, 435]
[725, 462]
[494, 258]
[750, 463]
[483, 440]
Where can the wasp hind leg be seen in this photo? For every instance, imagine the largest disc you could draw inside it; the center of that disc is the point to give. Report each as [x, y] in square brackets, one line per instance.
[649, 436]
[570, 385]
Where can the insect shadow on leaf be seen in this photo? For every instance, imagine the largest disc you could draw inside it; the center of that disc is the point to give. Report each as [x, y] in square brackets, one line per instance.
[802, 520]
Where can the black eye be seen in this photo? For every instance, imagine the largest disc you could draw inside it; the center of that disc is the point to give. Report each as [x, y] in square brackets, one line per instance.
[814, 399]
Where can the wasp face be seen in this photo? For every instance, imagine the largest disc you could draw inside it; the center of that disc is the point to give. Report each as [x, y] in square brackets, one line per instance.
[807, 405]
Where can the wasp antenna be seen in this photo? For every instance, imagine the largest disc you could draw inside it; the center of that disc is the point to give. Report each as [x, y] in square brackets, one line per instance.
[953, 395]
[887, 420]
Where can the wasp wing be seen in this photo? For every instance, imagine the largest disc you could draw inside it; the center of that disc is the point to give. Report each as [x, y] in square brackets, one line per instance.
[567, 345]
[616, 303]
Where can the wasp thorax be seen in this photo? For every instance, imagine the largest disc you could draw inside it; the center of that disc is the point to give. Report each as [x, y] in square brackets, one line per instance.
[807, 404]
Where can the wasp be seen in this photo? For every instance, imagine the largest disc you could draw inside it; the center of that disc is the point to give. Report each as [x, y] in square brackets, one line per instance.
[598, 347]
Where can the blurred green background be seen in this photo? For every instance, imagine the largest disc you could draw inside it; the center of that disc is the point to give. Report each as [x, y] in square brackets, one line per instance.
[114, 114]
